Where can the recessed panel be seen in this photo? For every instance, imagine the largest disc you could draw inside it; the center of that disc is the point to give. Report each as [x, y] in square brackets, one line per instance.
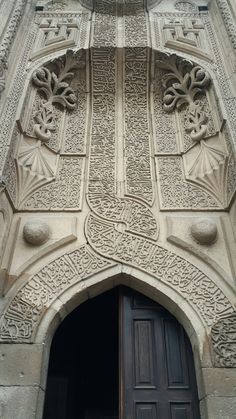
[181, 411]
[143, 351]
[174, 355]
[146, 411]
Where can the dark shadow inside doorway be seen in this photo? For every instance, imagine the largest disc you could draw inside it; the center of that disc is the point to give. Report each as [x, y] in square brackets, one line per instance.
[83, 376]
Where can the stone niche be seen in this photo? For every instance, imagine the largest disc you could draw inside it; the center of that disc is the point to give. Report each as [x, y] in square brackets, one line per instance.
[107, 5]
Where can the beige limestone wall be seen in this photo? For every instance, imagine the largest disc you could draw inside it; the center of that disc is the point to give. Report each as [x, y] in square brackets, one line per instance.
[116, 177]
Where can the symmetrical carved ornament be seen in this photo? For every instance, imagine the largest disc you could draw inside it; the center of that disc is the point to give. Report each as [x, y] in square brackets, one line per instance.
[36, 164]
[206, 158]
[186, 35]
[56, 33]
[223, 335]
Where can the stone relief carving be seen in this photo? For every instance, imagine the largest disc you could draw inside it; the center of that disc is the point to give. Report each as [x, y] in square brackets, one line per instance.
[8, 38]
[102, 192]
[223, 335]
[56, 33]
[55, 88]
[183, 83]
[136, 129]
[38, 162]
[176, 192]
[205, 157]
[187, 35]
[19, 323]
[107, 239]
[186, 6]
[228, 20]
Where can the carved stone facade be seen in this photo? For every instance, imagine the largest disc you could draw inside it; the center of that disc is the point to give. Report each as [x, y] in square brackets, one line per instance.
[118, 166]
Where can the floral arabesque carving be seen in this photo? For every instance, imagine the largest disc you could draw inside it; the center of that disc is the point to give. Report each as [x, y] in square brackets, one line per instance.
[55, 88]
[183, 83]
[205, 157]
[223, 335]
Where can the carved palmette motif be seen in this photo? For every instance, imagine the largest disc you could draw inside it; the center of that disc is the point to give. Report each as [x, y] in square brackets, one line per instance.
[44, 179]
[55, 89]
[183, 83]
[205, 155]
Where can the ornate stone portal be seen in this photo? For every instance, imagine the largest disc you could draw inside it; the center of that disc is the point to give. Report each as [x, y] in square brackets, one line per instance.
[118, 166]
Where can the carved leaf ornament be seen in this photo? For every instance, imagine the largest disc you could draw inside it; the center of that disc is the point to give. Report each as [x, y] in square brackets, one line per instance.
[183, 84]
[55, 88]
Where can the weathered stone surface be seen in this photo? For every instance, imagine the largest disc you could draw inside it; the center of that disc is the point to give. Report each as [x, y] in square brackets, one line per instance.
[204, 230]
[36, 232]
[97, 146]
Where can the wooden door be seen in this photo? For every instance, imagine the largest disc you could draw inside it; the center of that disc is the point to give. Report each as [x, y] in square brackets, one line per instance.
[156, 363]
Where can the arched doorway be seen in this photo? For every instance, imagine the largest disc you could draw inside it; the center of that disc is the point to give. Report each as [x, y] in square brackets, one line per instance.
[121, 356]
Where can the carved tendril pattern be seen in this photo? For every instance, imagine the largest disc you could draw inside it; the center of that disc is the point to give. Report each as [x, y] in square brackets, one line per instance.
[55, 88]
[183, 83]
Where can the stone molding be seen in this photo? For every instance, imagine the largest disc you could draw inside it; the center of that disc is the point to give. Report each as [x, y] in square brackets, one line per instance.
[228, 20]
[8, 39]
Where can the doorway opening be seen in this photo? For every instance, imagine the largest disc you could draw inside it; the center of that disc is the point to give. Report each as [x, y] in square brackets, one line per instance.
[83, 378]
[118, 356]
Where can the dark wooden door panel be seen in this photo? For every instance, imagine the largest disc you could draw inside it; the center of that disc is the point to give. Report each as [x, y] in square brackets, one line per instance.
[181, 411]
[158, 378]
[146, 410]
[143, 353]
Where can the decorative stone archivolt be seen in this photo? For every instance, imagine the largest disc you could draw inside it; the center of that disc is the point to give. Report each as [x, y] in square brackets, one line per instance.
[121, 246]
[20, 321]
